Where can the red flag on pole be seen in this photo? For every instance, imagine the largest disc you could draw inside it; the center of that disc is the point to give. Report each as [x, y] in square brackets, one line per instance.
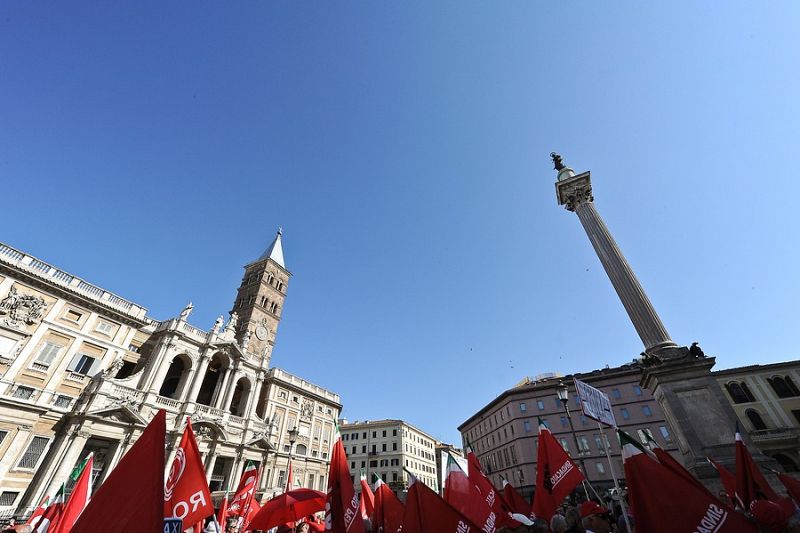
[489, 494]
[341, 504]
[245, 490]
[749, 479]
[792, 486]
[131, 500]
[367, 505]
[186, 494]
[556, 475]
[514, 499]
[465, 497]
[78, 499]
[388, 515]
[34, 518]
[728, 482]
[222, 514]
[664, 501]
[52, 515]
[427, 512]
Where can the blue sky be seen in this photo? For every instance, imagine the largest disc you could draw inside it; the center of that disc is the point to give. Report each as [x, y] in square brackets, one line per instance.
[153, 148]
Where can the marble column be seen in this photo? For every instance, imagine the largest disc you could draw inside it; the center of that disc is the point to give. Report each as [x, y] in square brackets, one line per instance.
[575, 193]
[197, 378]
[231, 387]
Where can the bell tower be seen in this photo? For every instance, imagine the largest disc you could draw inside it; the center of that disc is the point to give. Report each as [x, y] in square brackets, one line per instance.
[259, 300]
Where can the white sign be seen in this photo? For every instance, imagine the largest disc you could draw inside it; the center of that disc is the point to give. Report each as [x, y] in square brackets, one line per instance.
[595, 403]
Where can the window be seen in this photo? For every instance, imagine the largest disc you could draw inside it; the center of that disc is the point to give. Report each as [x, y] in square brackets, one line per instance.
[598, 442]
[394, 446]
[352, 465]
[106, 328]
[616, 393]
[625, 414]
[394, 433]
[374, 448]
[72, 315]
[353, 450]
[23, 393]
[739, 392]
[48, 352]
[583, 445]
[784, 387]
[564, 422]
[311, 481]
[565, 445]
[637, 390]
[755, 419]
[7, 498]
[7, 345]
[647, 411]
[527, 425]
[281, 481]
[540, 405]
[3, 434]
[383, 447]
[522, 407]
[374, 434]
[363, 464]
[384, 432]
[62, 401]
[364, 435]
[364, 449]
[373, 463]
[84, 364]
[601, 469]
[31, 457]
[665, 433]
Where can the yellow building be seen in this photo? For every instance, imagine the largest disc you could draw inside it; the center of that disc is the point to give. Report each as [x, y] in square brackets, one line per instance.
[82, 369]
[766, 399]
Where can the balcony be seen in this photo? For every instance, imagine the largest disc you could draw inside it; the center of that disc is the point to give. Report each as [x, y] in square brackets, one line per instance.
[776, 436]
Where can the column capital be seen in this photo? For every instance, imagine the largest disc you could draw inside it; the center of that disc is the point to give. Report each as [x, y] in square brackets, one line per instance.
[574, 191]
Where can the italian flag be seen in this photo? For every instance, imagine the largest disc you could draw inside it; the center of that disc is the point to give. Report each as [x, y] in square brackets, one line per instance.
[81, 494]
[52, 515]
[37, 514]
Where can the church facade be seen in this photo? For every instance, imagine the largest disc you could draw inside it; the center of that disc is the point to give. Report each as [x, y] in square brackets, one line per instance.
[82, 369]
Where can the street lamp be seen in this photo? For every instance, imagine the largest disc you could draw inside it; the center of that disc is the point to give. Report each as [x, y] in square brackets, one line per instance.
[563, 395]
[293, 433]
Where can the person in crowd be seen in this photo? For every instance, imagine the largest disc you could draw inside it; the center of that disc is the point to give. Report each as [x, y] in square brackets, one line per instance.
[595, 518]
[539, 526]
[558, 524]
[573, 518]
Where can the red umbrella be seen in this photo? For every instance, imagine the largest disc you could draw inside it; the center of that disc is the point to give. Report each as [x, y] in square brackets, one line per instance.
[288, 507]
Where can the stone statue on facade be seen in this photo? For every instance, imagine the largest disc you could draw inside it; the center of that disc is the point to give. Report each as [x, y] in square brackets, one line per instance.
[116, 364]
[245, 340]
[23, 308]
[218, 325]
[232, 323]
[186, 311]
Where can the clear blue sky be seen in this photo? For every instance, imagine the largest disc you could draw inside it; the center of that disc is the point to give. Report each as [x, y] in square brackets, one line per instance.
[153, 148]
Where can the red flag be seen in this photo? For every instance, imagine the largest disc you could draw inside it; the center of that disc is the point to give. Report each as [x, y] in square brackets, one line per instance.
[252, 511]
[186, 494]
[514, 499]
[664, 501]
[34, 518]
[222, 514]
[132, 498]
[78, 499]
[388, 515]
[728, 481]
[367, 505]
[341, 505]
[792, 486]
[488, 493]
[749, 479]
[244, 493]
[465, 497]
[556, 475]
[52, 515]
[427, 512]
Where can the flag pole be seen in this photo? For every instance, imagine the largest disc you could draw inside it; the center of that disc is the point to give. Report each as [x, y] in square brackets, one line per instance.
[614, 477]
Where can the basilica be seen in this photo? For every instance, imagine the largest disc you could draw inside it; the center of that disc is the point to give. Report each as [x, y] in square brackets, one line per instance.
[84, 370]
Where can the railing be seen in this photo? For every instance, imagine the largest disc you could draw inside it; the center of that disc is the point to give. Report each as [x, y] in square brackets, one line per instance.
[237, 420]
[775, 434]
[64, 279]
[197, 333]
[213, 411]
[126, 392]
[75, 376]
[39, 366]
[167, 402]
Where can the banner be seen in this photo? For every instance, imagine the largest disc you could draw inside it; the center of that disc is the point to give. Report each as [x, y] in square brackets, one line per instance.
[595, 403]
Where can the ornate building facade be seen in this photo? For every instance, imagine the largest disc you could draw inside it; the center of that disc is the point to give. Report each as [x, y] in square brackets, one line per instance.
[85, 370]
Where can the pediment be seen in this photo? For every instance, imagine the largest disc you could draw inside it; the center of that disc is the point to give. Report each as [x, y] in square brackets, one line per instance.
[119, 413]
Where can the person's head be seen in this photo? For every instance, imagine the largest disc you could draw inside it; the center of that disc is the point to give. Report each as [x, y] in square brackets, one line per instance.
[572, 516]
[558, 524]
[595, 517]
[303, 528]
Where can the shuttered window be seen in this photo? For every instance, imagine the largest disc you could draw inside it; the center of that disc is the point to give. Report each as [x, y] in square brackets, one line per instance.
[34, 452]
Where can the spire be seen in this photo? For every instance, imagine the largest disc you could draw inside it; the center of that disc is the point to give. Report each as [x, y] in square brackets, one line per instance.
[275, 250]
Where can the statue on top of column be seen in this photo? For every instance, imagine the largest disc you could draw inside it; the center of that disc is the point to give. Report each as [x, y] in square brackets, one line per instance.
[558, 164]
